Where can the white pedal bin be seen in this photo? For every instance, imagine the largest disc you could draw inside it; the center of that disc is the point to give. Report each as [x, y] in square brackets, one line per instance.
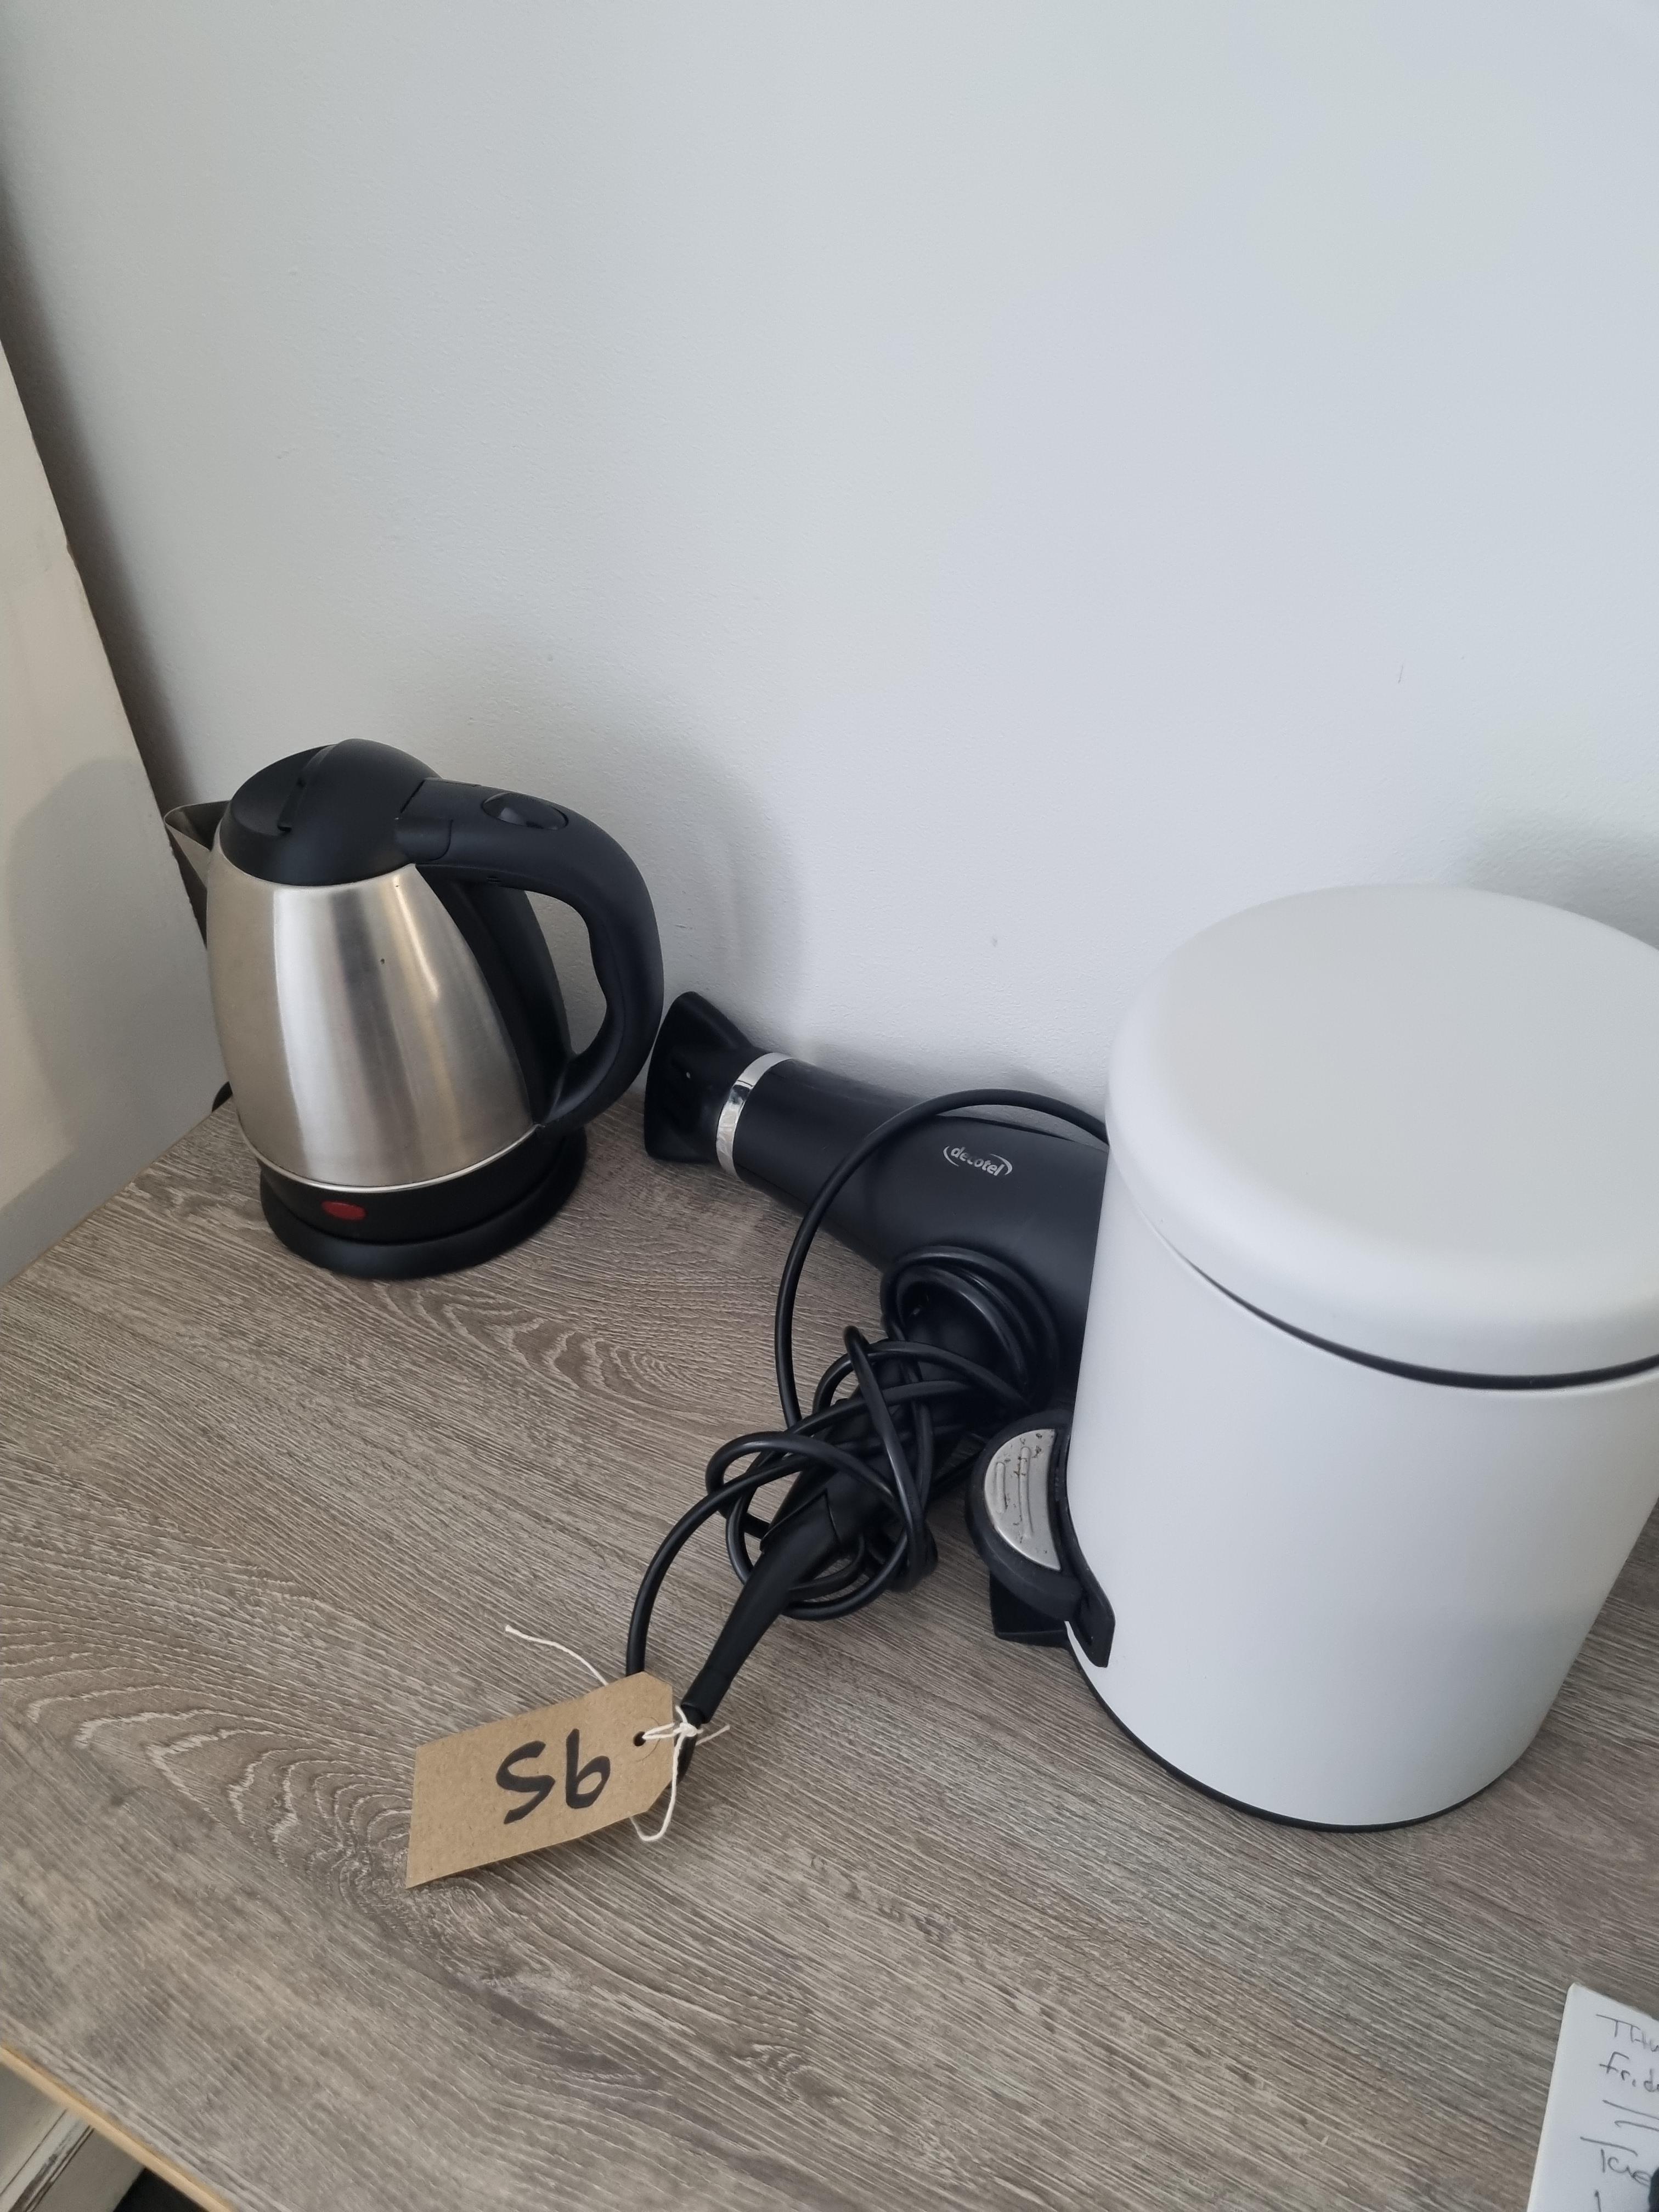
[1368, 1418]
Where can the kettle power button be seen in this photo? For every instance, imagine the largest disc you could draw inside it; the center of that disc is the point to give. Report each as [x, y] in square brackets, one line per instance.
[513, 806]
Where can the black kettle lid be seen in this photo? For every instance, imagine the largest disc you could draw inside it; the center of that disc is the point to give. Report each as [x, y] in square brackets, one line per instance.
[327, 816]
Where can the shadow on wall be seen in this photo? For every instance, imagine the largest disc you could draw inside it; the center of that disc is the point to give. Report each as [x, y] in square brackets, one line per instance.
[116, 1027]
[1587, 869]
[726, 904]
[26, 337]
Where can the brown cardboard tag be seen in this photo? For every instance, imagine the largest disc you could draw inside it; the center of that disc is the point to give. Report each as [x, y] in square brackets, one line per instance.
[538, 1779]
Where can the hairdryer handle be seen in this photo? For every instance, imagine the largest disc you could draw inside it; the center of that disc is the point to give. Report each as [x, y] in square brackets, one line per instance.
[473, 834]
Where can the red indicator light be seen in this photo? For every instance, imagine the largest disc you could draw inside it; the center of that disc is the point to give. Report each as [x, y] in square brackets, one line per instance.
[343, 1210]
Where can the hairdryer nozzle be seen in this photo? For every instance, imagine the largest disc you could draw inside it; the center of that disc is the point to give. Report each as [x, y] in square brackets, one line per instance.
[699, 1055]
[1027, 1198]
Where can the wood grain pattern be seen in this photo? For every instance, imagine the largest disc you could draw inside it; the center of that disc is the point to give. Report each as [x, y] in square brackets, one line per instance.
[929, 1932]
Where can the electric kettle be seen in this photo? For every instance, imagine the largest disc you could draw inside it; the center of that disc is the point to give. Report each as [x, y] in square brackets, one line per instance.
[387, 1008]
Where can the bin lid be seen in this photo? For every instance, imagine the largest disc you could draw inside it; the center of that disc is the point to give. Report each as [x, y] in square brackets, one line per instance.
[1415, 1122]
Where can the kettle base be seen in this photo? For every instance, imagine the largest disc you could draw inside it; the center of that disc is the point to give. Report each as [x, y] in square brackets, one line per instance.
[439, 1254]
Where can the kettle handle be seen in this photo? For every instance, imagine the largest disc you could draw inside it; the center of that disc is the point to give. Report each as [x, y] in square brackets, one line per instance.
[471, 833]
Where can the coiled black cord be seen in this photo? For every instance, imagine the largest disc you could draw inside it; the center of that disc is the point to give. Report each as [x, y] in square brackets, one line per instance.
[969, 1343]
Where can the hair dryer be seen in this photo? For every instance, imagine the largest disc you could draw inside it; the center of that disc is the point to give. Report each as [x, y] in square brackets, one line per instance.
[1027, 1197]
[985, 1232]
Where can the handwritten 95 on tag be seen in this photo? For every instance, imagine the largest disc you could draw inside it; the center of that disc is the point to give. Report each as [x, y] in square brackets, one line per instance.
[541, 1777]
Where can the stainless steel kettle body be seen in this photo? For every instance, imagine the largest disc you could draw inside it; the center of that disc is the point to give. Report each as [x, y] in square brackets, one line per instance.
[389, 1014]
[363, 1047]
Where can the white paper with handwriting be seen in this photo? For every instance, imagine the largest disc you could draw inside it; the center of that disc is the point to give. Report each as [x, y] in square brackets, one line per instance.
[1601, 2140]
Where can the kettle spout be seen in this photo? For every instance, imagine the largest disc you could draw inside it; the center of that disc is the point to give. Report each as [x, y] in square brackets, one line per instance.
[192, 829]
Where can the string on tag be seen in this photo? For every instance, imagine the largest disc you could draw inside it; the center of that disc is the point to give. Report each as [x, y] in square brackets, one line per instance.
[678, 1732]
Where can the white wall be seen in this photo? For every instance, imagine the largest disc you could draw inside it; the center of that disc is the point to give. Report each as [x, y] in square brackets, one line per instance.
[106, 1044]
[968, 492]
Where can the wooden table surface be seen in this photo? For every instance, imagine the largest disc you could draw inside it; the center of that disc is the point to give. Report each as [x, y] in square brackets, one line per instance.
[928, 1931]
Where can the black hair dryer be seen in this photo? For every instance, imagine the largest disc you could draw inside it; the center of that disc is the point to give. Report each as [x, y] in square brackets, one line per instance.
[1028, 1196]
